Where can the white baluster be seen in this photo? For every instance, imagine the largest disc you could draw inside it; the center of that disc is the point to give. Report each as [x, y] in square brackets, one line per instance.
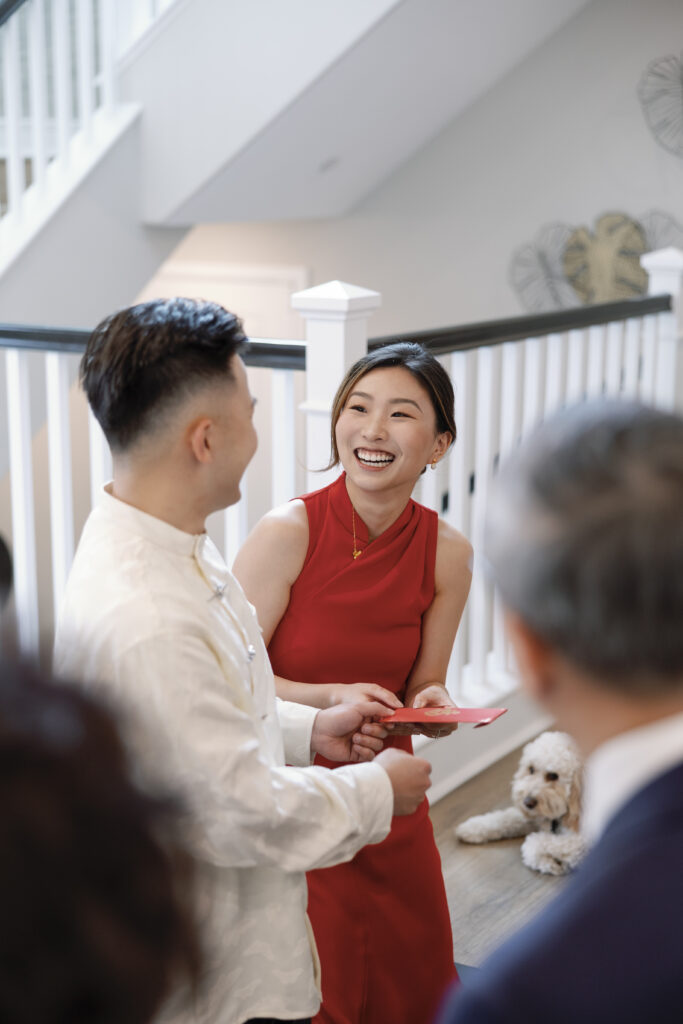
[614, 358]
[59, 448]
[512, 382]
[38, 84]
[100, 459]
[236, 523]
[12, 96]
[649, 364]
[85, 64]
[283, 432]
[460, 469]
[534, 373]
[632, 333]
[666, 368]
[576, 366]
[23, 514]
[665, 272]
[107, 35]
[61, 49]
[595, 377]
[428, 487]
[556, 374]
[487, 433]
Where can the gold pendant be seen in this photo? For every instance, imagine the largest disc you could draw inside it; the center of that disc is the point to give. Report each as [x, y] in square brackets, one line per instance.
[356, 553]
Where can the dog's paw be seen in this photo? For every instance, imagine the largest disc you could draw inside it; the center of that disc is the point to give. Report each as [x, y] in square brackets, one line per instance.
[483, 828]
[552, 854]
[475, 830]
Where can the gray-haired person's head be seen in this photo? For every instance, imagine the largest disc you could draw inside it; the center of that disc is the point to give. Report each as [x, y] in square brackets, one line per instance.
[584, 538]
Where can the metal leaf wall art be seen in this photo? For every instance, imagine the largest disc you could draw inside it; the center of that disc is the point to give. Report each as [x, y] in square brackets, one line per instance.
[565, 266]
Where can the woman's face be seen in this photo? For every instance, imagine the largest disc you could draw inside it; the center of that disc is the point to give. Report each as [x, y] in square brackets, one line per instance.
[386, 431]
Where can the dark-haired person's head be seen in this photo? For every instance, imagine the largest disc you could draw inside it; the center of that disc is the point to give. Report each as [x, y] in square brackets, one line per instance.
[166, 382]
[585, 541]
[425, 369]
[141, 362]
[94, 885]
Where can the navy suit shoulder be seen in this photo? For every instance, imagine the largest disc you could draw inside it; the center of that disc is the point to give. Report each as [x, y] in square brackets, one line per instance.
[608, 948]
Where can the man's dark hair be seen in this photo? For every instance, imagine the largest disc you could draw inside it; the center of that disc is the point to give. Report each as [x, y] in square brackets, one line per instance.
[585, 540]
[140, 361]
[94, 885]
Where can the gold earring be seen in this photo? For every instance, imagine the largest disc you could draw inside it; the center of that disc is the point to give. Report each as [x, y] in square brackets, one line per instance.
[434, 462]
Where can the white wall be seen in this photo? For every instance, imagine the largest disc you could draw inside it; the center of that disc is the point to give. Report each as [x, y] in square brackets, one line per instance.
[561, 138]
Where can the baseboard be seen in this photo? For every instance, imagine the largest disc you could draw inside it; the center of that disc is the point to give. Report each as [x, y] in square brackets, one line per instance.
[468, 751]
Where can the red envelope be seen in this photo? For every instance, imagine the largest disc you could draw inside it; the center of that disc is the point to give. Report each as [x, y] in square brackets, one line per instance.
[445, 715]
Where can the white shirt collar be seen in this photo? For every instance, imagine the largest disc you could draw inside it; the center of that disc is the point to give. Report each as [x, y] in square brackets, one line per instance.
[158, 531]
[625, 764]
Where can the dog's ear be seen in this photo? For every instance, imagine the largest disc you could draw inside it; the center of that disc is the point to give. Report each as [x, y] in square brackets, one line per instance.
[571, 818]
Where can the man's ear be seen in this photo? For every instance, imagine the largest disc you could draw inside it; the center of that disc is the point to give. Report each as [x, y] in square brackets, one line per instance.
[199, 439]
[535, 658]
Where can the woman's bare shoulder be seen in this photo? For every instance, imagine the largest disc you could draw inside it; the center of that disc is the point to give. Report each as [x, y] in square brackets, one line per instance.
[279, 541]
[453, 550]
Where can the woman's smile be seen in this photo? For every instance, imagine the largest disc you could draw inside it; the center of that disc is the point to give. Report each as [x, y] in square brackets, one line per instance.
[372, 458]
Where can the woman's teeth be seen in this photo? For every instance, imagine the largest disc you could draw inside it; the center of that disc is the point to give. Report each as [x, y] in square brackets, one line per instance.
[373, 458]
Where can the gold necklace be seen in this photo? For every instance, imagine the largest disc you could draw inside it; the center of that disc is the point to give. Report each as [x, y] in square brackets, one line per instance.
[356, 551]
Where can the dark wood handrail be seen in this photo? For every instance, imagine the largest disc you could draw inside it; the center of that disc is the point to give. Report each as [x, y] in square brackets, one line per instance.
[291, 355]
[8, 7]
[278, 355]
[493, 332]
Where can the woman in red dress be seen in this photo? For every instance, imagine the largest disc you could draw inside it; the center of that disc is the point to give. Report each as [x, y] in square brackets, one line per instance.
[359, 591]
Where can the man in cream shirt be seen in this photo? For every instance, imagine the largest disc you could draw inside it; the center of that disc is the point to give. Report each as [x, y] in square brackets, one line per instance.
[585, 540]
[153, 618]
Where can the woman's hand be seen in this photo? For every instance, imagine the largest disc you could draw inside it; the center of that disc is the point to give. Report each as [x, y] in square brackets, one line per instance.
[433, 696]
[353, 693]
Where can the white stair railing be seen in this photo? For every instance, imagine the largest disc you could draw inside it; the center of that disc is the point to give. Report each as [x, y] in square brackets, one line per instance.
[58, 106]
[503, 389]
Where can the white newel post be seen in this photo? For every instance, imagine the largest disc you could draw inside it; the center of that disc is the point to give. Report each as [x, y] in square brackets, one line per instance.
[336, 316]
[665, 271]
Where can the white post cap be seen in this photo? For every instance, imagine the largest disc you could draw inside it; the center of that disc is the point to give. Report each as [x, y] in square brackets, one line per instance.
[336, 298]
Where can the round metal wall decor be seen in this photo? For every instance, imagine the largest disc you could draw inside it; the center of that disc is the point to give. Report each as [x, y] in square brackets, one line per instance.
[661, 96]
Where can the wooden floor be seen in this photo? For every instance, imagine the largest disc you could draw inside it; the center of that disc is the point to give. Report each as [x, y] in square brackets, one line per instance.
[490, 892]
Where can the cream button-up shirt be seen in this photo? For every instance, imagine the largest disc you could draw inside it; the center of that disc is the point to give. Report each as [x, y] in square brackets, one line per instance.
[153, 618]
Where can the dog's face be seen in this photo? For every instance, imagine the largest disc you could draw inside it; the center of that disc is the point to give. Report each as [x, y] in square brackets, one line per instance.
[547, 783]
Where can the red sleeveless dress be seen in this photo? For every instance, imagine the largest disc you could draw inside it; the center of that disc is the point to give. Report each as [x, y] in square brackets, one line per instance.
[381, 921]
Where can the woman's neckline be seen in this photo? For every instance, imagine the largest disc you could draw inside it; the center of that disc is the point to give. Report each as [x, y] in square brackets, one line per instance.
[390, 520]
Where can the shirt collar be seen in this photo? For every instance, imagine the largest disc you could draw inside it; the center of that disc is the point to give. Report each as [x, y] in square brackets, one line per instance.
[625, 764]
[152, 529]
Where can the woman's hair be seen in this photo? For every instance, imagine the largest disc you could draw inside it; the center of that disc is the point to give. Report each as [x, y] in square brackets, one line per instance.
[94, 883]
[421, 364]
[584, 538]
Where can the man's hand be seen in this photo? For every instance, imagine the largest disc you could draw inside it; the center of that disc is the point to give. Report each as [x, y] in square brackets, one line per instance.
[409, 777]
[434, 696]
[348, 732]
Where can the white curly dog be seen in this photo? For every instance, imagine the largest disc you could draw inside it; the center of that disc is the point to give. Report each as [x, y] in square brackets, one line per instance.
[546, 794]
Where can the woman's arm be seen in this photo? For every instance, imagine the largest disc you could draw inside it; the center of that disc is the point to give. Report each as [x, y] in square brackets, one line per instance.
[267, 566]
[452, 578]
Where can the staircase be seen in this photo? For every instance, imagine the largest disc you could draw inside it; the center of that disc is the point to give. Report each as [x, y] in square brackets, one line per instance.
[125, 122]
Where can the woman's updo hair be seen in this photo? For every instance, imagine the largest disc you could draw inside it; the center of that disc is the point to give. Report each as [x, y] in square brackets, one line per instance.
[418, 361]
